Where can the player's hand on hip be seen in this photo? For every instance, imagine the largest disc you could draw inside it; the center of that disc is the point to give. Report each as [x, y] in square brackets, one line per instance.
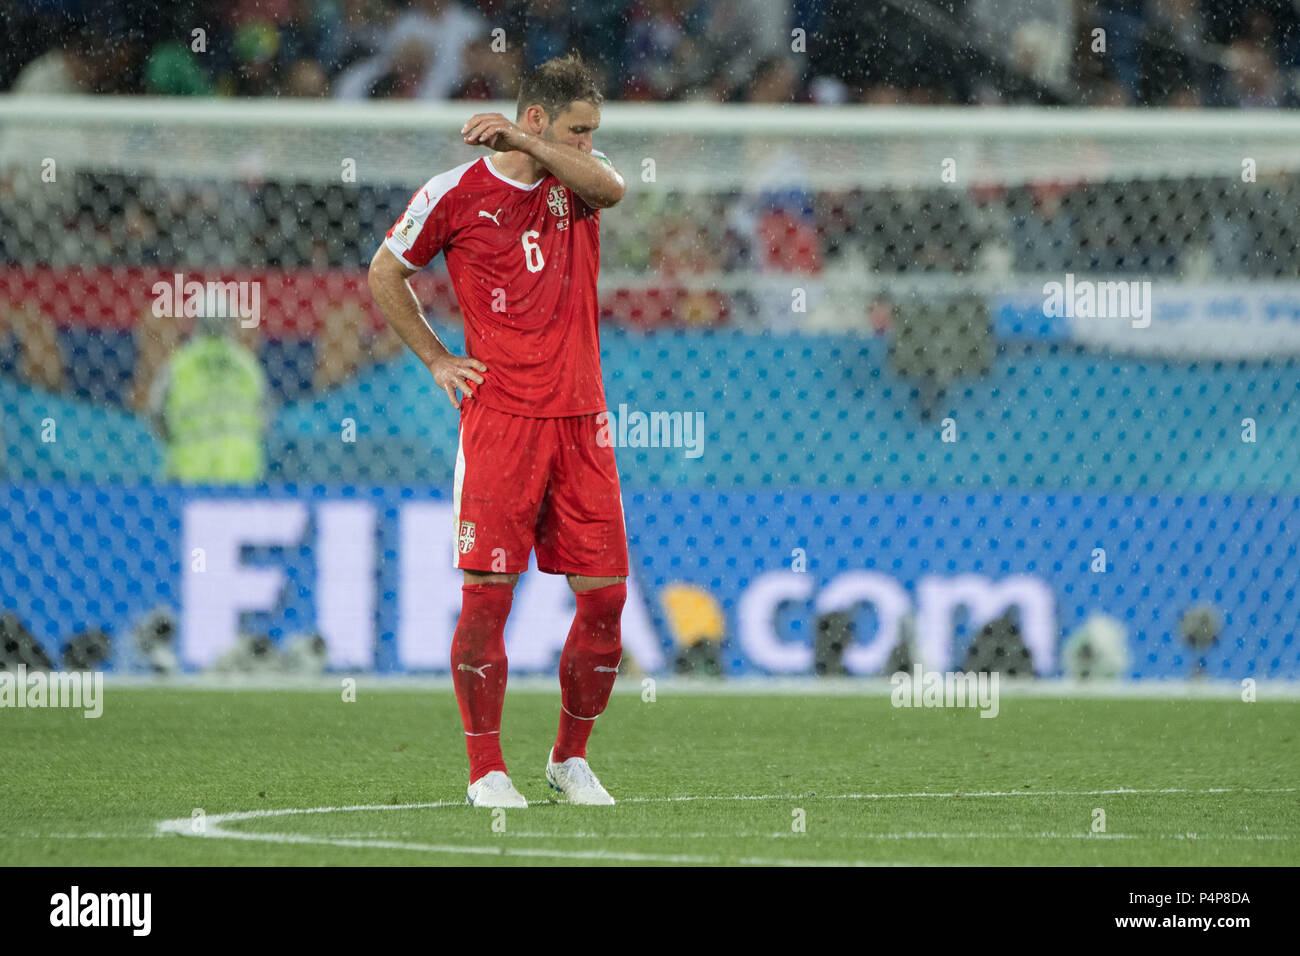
[453, 372]
[493, 131]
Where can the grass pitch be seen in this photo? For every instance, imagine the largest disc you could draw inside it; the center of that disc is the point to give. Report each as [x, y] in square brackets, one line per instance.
[301, 777]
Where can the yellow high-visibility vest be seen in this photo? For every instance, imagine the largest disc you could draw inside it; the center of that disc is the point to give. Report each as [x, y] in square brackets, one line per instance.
[215, 416]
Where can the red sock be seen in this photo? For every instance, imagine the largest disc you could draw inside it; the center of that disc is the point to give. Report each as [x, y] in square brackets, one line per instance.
[588, 666]
[478, 670]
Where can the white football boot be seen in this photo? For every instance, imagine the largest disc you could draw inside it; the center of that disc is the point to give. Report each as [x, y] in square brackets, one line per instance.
[576, 782]
[494, 790]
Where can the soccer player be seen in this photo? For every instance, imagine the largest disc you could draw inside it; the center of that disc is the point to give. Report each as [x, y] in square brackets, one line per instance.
[520, 230]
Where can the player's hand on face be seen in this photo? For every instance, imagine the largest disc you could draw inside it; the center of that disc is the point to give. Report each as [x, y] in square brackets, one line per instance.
[452, 372]
[493, 131]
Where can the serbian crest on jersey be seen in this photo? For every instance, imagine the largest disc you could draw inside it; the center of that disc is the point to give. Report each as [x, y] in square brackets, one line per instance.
[466, 537]
[558, 201]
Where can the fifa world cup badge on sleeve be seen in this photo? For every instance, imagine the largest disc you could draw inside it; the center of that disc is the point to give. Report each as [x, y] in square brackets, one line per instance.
[403, 235]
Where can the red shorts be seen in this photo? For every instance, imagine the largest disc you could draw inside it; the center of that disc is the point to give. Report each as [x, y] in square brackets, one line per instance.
[546, 483]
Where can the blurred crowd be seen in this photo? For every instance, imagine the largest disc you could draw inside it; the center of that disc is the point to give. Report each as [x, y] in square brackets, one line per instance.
[1232, 53]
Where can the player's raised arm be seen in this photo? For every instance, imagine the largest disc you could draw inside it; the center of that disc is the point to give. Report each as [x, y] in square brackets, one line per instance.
[563, 146]
[591, 175]
[389, 281]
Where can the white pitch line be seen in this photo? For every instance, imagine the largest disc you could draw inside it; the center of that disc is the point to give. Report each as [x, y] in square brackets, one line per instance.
[294, 811]
[822, 835]
[79, 836]
[213, 827]
[357, 808]
[1119, 791]
[1047, 836]
[216, 831]
[958, 794]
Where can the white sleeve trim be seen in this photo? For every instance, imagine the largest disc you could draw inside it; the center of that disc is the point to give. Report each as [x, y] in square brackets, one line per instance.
[408, 228]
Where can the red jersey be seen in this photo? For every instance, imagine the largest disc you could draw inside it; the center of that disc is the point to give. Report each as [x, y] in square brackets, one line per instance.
[523, 262]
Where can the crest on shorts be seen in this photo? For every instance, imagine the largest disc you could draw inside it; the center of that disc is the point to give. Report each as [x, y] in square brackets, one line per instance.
[466, 540]
[558, 201]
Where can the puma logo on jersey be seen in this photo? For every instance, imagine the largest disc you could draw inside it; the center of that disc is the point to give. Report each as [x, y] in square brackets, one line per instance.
[605, 670]
[487, 215]
[476, 670]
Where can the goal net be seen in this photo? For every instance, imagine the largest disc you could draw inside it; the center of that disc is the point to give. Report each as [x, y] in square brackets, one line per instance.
[943, 387]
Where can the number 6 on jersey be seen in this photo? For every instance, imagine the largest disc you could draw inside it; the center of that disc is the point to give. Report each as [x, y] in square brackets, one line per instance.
[532, 252]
